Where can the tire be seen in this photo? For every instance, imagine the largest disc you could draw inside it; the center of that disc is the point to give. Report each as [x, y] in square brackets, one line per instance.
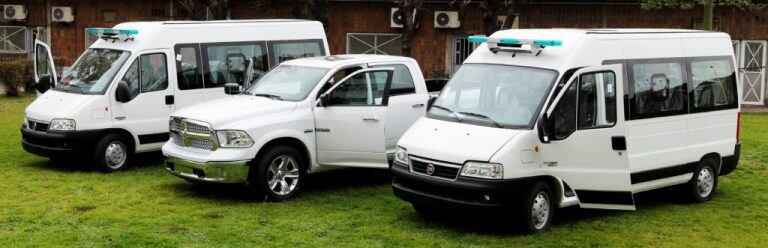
[537, 211]
[703, 184]
[278, 174]
[111, 153]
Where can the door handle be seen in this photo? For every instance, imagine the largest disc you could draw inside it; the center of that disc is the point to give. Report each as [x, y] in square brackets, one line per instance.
[619, 143]
[169, 100]
[418, 105]
[371, 118]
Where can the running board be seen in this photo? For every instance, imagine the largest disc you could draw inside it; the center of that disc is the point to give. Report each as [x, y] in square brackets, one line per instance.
[616, 200]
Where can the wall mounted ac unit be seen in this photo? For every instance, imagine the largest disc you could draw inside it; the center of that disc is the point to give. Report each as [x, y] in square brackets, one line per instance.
[62, 14]
[447, 19]
[396, 18]
[14, 12]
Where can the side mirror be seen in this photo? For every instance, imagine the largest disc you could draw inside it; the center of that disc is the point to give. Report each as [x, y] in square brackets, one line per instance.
[431, 101]
[232, 89]
[325, 100]
[123, 92]
[43, 84]
[544, 129]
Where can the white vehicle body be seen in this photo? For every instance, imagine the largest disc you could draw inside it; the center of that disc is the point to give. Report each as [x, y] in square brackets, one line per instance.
[362, 134]
[167, 66]
[622, 145]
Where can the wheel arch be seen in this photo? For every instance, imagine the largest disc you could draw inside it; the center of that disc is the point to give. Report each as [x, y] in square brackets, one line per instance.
[555, 184]
[288, 141]
[716, 157]
[127, 135]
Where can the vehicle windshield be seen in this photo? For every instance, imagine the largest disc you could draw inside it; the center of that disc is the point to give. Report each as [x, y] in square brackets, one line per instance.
[93, 71]
[494, 95]
[287, 82]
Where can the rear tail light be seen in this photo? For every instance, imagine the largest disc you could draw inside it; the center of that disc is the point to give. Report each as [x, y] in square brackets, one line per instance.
[738, 129]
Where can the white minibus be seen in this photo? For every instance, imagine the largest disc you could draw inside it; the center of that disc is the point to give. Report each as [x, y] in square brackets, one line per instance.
[540, 119]
[116, 99]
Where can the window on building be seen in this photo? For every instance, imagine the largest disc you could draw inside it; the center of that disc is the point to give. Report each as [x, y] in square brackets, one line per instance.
[13, 39]
[714, 84]
[402, 82]
[109, 16]
[228, 62]
[287, 50]
[659, 88]
[388, 44]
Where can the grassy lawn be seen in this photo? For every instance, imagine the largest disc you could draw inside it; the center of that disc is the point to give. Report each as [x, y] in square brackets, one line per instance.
[42, 204]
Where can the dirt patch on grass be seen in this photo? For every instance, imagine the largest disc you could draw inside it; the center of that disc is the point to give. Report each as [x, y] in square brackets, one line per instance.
[83, 209]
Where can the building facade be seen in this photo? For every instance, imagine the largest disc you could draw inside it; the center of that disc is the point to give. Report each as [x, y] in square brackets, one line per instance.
[365, 26]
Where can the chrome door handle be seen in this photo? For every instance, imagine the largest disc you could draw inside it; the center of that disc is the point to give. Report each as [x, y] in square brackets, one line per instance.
[371, 118]
[418, 105]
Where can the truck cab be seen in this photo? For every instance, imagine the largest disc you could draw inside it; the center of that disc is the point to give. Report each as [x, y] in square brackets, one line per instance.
[303, 116]
[116, 98]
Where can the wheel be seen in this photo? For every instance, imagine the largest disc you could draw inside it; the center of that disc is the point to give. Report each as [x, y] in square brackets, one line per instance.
[537, 211]
[111, 153]
[277, 175]
[702, 186]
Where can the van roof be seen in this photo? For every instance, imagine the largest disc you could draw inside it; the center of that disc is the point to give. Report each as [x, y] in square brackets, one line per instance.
[346, 59]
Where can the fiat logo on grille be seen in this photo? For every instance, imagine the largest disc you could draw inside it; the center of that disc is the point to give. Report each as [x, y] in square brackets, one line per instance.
[430, 169]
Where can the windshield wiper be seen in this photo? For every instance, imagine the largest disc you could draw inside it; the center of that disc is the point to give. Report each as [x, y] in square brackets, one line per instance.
[276, 97]
[484, 117]
[449, 111]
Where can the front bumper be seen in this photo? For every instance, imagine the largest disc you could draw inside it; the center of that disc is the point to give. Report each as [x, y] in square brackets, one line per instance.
[58, 143]
[214, 172]
[460, 193]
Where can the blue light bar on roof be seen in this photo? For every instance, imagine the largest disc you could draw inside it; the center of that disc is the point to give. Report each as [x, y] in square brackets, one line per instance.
[510, 41]
[110, 33]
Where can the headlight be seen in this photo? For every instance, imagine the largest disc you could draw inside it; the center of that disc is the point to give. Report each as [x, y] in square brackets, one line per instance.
[234, 138]
[62, 125]
[483, 170]
[401, 156]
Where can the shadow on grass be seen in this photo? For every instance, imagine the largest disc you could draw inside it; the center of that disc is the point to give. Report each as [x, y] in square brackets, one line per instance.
[82, 163]
[320, 183]
[501, 223]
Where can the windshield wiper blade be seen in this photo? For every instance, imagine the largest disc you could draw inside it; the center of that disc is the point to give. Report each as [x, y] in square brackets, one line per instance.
[276, 97]
[449, 111]
[483, 117]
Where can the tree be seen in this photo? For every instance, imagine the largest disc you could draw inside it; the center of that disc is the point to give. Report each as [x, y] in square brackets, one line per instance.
[311, 9]
[199, 9]
[490, 9]
[707, 5]
[410, 9]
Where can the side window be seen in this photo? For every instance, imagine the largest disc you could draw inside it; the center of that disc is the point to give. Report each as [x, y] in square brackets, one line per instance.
[597, 100]
[402, 82]
[364, 89]
[564, 115]
[131, 77]
[187, 69]
[659, 89]
[339, 75]
[714, 84]
[154, 72]
[42, 61]
[287, 50]
[227, 63]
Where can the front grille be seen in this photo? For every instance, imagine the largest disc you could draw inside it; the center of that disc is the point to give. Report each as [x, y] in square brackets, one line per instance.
[37, 126]
[443, 170]
[194, 134]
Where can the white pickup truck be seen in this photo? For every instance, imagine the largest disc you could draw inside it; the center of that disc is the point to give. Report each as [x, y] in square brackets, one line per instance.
[304, 116]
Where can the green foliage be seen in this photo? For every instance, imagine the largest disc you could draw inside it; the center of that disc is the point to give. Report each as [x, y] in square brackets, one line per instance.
[690, 4]
[13, 74]
[63, 205]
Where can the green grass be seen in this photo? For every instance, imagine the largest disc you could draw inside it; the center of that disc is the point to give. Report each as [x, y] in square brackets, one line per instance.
[42, 204]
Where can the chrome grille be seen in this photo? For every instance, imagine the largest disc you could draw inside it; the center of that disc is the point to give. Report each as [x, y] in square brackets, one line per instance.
[444, 170]
[194, 134]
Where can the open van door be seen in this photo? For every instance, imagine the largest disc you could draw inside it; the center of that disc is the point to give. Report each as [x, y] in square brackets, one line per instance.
[583, 139]
[45, 71]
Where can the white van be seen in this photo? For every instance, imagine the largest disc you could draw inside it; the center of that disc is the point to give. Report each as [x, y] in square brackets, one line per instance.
[117, 97]
[539, 119]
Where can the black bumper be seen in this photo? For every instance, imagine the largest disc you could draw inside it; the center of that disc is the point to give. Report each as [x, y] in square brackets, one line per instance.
[459, 193]
[57, 144]
[730, 162]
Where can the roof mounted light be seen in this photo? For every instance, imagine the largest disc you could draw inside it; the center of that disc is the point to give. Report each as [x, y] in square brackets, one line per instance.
[113, 34]
[496, 44]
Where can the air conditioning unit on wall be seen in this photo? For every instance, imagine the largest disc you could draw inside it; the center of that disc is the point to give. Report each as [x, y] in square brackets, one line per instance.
[14, 12]
[396, 18]
[62, 14]
[447, 19]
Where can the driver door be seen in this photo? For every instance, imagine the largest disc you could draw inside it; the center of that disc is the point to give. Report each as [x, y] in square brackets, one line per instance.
[349, 129]
[586, 133]
[45, 70]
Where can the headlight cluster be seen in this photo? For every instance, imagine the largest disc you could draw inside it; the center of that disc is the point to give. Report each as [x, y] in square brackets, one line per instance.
[401, 156]
[234, 139]
[483, 170]
[62, 125]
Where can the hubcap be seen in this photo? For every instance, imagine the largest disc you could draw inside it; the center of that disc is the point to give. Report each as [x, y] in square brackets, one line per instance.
[283, 175]
[115, 155]
[705, 181]
[540, 210]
